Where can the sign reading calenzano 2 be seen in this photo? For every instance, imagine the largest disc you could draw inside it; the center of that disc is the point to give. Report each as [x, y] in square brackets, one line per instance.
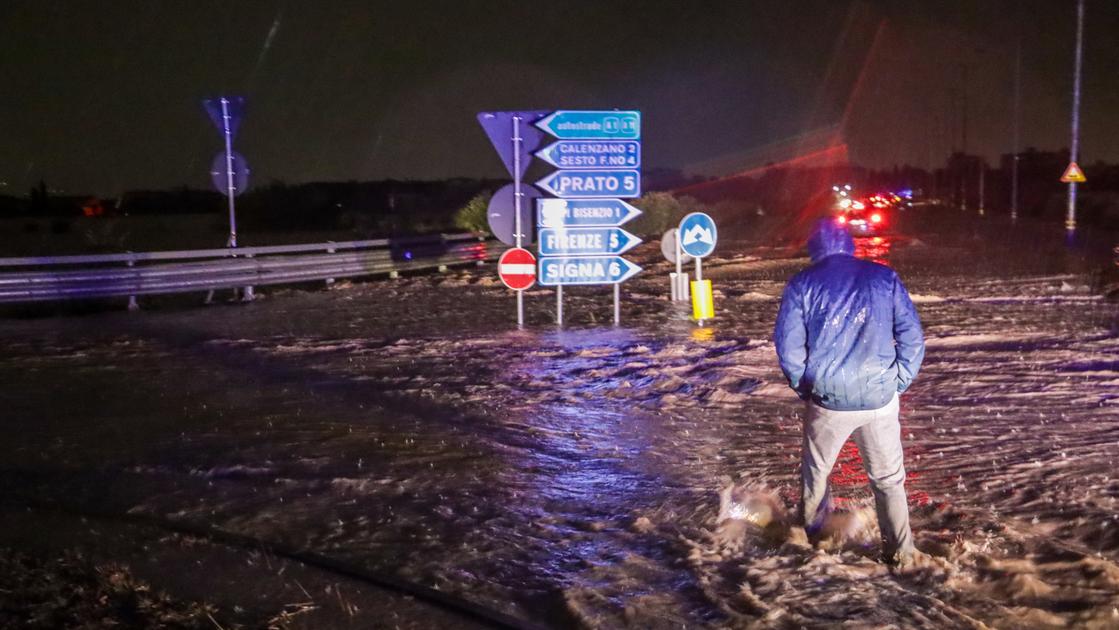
[598, 154]
[592, 154]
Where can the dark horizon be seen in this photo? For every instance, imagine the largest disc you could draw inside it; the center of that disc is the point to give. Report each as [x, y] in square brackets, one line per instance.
[107, 98]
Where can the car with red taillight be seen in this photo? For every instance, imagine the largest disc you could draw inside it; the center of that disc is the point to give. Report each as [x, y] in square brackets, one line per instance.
[863, 219]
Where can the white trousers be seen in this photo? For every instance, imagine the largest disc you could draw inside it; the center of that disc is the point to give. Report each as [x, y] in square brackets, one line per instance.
[877, 433]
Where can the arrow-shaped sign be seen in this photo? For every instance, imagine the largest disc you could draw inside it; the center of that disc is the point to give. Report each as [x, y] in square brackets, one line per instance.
[592, 154]
[586, 241]
[586, 184]
[593, 125]
[585, 270]
[584, 212]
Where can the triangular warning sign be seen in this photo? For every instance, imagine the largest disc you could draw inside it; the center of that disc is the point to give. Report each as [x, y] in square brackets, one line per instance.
[1073, 174]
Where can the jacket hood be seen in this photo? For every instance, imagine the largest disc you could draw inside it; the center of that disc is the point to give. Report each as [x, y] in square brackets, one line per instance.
[829, 238]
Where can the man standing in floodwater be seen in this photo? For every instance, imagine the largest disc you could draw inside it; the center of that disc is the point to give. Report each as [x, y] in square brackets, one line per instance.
[849, 341]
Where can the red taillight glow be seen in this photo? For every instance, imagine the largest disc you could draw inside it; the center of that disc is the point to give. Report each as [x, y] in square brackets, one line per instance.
[875, 218]
[842, 219]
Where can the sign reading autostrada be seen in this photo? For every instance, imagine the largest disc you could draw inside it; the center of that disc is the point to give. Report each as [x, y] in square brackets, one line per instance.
[592, 125]
[597, 154]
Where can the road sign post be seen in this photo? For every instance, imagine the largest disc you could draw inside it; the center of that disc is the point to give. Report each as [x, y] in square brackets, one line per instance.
[229, 172]
[514, 141]
[517, 207]
[670, 248]
[226, 114]
[1074, 147]
[697, 237]
[598, 154]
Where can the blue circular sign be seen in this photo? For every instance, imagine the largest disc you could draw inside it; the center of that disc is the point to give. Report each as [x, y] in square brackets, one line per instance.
[698, 235]
[219, 173]
[502, 217]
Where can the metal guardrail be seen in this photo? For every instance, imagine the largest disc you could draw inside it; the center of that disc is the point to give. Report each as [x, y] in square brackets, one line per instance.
[46, 278]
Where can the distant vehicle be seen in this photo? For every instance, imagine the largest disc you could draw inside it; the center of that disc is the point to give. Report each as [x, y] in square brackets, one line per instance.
[866, 216]
[861, 220]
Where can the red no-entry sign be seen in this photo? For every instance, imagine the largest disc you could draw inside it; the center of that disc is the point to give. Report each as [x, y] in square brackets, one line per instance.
[517, 268]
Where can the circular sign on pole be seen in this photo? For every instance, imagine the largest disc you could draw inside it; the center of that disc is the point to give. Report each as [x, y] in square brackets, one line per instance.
[219, 173]
[698, 235]
[501, 214]
[517, 268]
[668, 247]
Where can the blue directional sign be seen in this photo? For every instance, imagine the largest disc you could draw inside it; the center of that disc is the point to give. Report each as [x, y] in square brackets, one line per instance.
[585, 270]
[593, 125]
[583, 212]
[585, 184]
[592, 154]
[698, 235]
[586, 241]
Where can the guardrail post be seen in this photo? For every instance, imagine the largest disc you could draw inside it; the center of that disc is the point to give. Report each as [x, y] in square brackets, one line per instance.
[330, 250]
[248, 295]
[443, 249]
[133, 305]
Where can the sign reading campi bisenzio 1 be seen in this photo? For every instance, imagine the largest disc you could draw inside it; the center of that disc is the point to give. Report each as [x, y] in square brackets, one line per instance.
[598, 154]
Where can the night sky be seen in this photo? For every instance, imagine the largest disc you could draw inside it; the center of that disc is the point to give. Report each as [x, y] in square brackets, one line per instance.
[106, 96]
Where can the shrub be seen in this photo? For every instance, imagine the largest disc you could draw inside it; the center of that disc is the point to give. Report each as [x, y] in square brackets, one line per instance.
[472, 216]
[661, 211]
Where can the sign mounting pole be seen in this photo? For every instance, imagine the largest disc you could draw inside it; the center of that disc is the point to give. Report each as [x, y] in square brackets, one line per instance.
[1074, 149]
[229, 171]
[679, 268]
[517, 208]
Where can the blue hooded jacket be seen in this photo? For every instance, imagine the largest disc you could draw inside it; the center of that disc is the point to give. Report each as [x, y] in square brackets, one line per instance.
[847, 335]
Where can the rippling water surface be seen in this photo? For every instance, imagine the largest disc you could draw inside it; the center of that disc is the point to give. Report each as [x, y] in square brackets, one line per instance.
[586, 475]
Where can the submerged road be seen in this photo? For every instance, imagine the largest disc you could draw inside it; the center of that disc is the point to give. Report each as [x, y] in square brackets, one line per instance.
[582, 476]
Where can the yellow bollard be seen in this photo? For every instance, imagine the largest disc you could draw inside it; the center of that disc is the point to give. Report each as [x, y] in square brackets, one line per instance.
[703, 305]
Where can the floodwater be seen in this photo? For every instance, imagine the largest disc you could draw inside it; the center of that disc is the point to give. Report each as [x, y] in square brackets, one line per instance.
[603, 476]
